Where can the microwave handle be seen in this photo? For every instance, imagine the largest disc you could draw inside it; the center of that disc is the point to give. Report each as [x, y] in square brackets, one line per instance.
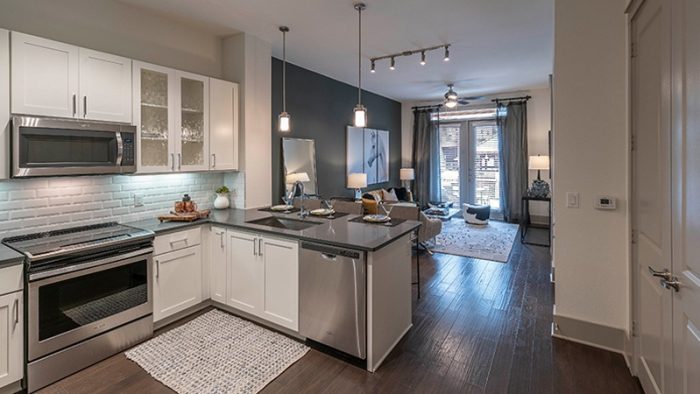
[120, 148]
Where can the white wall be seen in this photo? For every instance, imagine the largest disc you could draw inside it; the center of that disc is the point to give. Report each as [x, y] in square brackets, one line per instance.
[591, 158]
[110, 26]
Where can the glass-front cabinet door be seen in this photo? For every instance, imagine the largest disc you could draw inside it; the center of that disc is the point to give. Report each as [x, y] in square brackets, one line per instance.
[193, 123]
[154, 105]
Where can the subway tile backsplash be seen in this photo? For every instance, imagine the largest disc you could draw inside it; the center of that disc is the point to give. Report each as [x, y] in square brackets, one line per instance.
[42, 204]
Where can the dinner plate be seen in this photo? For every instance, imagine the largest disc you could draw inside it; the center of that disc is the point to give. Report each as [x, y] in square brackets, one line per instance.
[282, 207]
[322, 212]
[376, 218]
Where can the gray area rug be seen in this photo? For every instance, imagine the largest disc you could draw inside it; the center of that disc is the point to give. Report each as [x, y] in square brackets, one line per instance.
[493, 241]
[217, 353]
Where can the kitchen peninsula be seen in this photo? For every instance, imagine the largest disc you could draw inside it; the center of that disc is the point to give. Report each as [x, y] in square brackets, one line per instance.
[273, 268]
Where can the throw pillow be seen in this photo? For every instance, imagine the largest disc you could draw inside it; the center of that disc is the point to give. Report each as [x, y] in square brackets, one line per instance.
[369, 205]
[389, 196]
[476, 214]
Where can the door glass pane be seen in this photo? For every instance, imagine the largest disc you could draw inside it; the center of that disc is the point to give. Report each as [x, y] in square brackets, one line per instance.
[69, 304]
[192, 122]
[449, 163]
[485, 164]
[154, 118]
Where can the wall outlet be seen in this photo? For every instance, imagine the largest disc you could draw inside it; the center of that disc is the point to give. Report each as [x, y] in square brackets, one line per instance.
[138, 200]
[572, 200]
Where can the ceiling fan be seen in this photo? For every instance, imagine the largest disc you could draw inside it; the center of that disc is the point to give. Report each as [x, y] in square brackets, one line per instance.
[452, 99]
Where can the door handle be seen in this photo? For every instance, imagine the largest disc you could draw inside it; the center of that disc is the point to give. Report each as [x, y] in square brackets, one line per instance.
[672, 283]
[213, 160]
[665, 274]
[75, 105]
[84, 106]
[16, 308]
[172, 162]
[157, 269]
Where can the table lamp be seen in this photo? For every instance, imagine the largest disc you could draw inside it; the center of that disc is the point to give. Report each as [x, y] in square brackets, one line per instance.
[539, 187]
[357, 181]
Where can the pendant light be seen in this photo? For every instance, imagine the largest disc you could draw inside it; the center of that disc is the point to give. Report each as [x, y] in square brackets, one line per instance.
[360, 112]
[284, 118]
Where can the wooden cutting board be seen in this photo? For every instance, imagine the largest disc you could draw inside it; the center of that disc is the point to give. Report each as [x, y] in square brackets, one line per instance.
[184, 217]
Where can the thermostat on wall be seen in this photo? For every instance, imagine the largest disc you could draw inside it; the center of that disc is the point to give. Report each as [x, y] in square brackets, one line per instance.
[605, 202]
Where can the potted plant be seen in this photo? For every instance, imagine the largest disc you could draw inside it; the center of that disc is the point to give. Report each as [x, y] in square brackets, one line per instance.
[222, 201]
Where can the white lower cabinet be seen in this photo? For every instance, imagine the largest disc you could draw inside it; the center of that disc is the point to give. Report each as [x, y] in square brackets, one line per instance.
[263, 277]
[177, 280]
[11, 337]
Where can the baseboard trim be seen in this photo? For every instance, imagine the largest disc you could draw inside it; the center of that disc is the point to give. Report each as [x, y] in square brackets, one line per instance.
[587, 333]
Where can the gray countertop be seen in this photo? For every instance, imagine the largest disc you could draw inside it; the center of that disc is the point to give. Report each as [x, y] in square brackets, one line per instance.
[9, 257]
[337, 232]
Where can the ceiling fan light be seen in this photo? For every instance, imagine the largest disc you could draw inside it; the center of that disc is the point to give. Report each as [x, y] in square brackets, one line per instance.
[360, 116]
[450, 103]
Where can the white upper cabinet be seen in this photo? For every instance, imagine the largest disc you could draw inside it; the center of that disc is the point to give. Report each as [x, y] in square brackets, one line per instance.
[154, 116]
[55, 79]
[4, 103]
[105, 86]
[192, 122]
[223, 125]
[45, 76]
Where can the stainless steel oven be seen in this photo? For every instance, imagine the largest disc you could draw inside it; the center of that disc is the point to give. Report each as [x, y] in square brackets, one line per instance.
[48, 147]
[89, 295]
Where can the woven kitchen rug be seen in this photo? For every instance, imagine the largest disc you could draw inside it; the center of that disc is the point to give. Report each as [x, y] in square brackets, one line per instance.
[492, 241]
[217, 353]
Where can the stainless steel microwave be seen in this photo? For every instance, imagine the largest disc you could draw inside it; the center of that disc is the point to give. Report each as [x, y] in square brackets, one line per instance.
[51, 147]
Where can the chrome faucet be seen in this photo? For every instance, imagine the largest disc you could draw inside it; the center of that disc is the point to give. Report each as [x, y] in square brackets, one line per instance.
[298, 185]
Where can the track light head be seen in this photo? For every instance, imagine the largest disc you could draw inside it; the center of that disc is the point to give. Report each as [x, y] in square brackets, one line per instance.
[422, 58]
[372, 70]
[392, 65]
[447, 53]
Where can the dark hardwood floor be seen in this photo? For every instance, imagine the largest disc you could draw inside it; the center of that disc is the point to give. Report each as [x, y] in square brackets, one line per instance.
[480, 327]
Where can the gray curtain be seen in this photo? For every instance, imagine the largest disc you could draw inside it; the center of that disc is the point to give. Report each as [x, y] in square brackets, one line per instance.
[424, 159]
[513, 158]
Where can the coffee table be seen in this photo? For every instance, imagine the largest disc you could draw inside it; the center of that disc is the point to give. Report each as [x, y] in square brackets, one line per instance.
[451, 212]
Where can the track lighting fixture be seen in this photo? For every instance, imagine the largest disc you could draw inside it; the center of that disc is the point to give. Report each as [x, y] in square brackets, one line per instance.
[284, 118]
[392, 57]
[360, 112]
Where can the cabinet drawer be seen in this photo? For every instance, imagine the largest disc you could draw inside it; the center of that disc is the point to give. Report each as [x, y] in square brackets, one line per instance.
[176, 241]
[11, 279]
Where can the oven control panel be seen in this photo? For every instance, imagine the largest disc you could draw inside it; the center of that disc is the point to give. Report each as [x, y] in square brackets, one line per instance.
[128, 155]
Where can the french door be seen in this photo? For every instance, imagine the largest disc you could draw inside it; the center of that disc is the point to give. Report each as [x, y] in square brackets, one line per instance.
[469, 165]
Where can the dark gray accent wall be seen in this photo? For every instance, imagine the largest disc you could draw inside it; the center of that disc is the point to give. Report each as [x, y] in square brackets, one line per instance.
[321, 109]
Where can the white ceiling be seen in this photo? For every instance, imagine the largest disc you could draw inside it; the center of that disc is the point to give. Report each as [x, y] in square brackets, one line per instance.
[497, 45]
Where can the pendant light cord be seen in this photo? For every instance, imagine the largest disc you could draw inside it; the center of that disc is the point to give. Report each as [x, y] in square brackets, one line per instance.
[284, 71]
[359, 58]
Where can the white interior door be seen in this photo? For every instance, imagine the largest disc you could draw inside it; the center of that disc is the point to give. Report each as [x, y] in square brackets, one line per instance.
[686, 180]
[105, 86]
[651, 203]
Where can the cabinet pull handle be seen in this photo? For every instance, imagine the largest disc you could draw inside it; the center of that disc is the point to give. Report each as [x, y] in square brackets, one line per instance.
[179, 240]
[213, 160]
[260, 242]
[16, 307]
[75, 104]
[179, 161]
[84, 106]
[157, 269]
[172, 162]
[221, 235]
[255, 245]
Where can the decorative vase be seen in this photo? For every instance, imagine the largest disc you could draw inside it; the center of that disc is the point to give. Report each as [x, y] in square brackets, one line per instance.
[221, 201]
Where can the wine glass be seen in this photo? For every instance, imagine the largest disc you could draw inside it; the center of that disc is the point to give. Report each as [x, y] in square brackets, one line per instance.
[387, 209]
[329, 205]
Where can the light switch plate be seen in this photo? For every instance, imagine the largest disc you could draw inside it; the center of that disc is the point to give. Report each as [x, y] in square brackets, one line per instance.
[138, 200]
[572, 200]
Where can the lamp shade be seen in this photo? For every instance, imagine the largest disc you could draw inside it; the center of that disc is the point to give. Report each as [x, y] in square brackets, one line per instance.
[538, 163]
[297, 176]
[407, 174]
[357, 180]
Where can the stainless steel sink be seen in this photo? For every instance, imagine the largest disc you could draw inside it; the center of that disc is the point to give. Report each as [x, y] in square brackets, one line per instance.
[285, 223]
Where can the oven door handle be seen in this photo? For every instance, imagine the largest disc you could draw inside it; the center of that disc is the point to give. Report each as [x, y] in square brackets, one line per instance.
[83, 266]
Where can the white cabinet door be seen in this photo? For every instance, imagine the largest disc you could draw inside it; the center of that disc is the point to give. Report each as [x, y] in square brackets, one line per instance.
[154, 115]
[245, 272]
[218, 257]
[105, 87]
[44, 76]
[192, 122]
[4, 103]
[177, 281]
[11, 338]
[281, 303]
[223, 125]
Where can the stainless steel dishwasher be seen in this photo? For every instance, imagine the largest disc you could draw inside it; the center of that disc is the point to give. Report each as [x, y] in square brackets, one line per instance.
[332, 297]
